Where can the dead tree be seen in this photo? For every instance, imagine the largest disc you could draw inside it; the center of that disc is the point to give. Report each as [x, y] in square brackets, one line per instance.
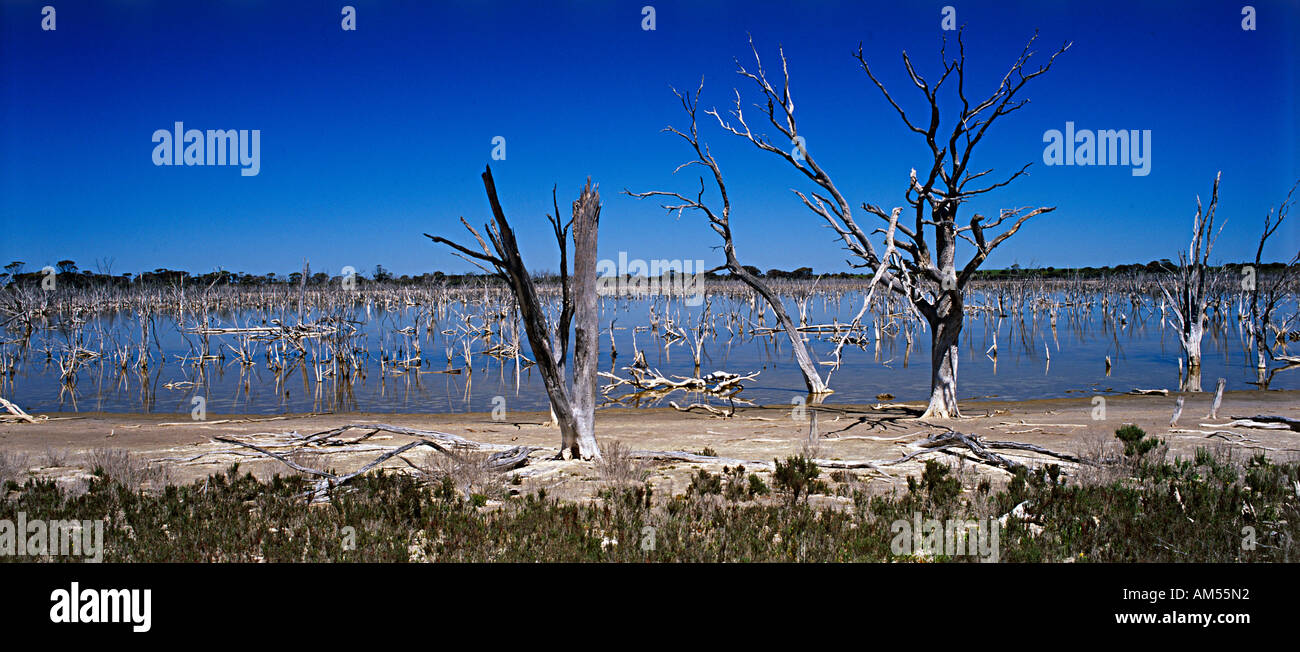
[1261, 315]
[573, 406]
[586, 312]
[1194, 285]
[928, 277]
[720, 222]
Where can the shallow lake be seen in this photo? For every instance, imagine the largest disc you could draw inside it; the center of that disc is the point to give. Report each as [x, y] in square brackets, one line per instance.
[1143, 354]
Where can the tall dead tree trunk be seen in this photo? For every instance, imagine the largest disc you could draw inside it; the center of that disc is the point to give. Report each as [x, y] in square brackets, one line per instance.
[929, 279]
[586, 313]
[575, 417]
[1194, 285]
[720, 221]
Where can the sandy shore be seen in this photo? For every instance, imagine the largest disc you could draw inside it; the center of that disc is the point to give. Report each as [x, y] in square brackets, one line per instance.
[847, 432]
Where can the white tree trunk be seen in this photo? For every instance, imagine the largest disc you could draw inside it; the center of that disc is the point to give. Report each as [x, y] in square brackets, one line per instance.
[1192, 349]
[944, 332]
[586, 314]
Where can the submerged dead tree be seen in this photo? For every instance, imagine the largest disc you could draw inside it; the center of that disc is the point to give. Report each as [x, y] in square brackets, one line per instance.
[1194, 285]
[573, 405]
[720, 221]
[928, 276]
[1264, 300]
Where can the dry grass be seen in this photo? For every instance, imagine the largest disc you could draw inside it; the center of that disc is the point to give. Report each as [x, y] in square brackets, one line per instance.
[13, 466]
[54, 457]
[1110, 464]
[308, 458]
[127, 468]
[812, 448]
[468, 471]
[617, 468]
[849, 483]
[1105, 452]
[964, 471]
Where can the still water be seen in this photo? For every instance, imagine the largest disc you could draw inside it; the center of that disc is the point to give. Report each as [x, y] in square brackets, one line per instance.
[1142, 354]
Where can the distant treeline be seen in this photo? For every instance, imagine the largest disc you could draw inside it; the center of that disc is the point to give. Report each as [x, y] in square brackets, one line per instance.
[65, 272]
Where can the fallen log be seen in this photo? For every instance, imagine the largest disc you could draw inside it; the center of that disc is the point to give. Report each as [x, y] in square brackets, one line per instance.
[683, 456]
[444, 438]
[972, 443]
[504, 459]
[1249, 423]
[16, 412]
[1293, 424]
[726, 414]
[1015, 445]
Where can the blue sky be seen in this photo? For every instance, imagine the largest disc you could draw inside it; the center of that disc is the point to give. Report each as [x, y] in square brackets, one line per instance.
[371, 137]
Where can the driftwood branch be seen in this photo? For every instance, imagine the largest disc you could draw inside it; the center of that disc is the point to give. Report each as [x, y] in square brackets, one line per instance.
[16, 413]
[503, 459]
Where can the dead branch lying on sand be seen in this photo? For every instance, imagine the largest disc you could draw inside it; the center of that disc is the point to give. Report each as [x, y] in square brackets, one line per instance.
[725, 414]
[434, 435]
[1262, 421]
[981, 449]
[504, 459]
[1293, 424]
[935, 443]
[1222, 434]
[246, 452]
[1022, 422]
[221, 421]
[683, 456]
[16, 413]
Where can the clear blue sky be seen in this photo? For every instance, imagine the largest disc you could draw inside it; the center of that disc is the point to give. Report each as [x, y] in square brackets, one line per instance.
[372, 137]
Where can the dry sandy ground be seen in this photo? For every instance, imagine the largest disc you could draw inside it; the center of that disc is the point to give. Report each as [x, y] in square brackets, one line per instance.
[760, 434]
